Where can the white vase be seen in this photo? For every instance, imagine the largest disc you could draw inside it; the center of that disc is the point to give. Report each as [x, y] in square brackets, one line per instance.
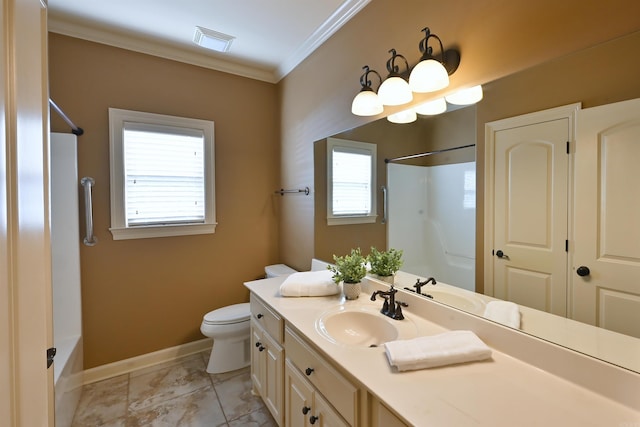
[351, 290]
[387, 279]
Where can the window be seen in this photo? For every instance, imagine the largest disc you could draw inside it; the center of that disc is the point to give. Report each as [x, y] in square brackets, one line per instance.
[162, 175]
[351, 182]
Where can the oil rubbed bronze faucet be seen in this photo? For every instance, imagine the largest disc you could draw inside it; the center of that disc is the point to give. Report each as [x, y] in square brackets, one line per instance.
[420, 284]
[390, 308]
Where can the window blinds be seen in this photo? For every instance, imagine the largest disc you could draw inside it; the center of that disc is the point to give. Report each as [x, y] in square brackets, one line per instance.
[164, 175]
[351, 183]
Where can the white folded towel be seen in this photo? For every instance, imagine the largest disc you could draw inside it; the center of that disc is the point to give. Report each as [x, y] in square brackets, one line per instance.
[504, 312]
[438, 350]
[309, 284]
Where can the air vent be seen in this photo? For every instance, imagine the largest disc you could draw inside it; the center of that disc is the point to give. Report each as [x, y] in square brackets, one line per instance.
[212, 40]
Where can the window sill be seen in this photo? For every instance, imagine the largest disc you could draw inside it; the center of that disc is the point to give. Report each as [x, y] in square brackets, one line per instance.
[147, 232]
[348, 220]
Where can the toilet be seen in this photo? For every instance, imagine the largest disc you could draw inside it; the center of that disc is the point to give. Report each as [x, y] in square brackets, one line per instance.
[229, 328]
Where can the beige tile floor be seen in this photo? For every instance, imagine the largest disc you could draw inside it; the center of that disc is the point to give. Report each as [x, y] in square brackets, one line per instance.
[178, 393]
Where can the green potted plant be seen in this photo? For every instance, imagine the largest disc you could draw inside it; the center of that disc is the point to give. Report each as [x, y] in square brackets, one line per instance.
[385, 264]
[349, 269]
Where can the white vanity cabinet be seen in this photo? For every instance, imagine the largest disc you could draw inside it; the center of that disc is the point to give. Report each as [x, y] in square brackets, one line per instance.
[311, 382]
[267, 357]
[304, 405]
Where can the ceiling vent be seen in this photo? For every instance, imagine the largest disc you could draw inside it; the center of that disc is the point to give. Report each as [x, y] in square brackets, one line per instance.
[212, 40]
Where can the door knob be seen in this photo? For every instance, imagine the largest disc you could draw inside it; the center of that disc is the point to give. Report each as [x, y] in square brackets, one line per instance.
[583, 271]
[501, 254]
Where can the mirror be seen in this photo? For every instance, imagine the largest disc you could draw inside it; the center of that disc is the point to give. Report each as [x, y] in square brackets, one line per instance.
[559, 82]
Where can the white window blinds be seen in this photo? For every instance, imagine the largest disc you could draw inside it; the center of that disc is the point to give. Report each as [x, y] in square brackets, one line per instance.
[351, 182]
[164, 170]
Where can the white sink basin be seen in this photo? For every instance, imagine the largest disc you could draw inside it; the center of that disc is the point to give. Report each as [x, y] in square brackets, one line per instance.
[463, 302]
[363, 326]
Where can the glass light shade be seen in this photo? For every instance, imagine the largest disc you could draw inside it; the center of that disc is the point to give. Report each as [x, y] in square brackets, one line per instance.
[406, 116]
[366, 103]
[395, 91]
[432, 108]
[466, 96]
[428, 76]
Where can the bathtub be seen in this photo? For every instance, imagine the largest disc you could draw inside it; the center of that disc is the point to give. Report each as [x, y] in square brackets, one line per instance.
[65, 275]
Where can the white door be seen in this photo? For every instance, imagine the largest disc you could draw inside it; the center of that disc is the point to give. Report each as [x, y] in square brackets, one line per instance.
[606, 290]
[528, 171]
[26, 386]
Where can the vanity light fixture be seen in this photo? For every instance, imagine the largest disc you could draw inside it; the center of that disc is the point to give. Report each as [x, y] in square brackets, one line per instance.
[431, 108]
[212, 40]
[465, 96]
[395, 89]
[367, 102]
[432, 74]
[406, 116]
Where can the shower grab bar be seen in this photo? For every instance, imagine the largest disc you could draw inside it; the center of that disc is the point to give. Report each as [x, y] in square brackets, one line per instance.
[89, 239]
[385, 205]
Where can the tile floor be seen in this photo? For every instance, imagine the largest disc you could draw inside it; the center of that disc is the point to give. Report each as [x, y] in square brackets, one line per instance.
[177, 393]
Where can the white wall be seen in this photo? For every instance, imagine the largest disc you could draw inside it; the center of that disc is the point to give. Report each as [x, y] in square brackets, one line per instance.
[432, 219]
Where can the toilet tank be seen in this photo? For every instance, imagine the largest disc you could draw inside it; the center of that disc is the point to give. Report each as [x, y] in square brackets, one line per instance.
[276, 270]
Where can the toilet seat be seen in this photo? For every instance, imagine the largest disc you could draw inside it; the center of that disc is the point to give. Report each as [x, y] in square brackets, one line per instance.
[236, 313]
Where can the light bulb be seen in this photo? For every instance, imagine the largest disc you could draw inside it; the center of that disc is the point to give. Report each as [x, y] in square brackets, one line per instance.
[428, 76]
[366, 103]
[395, 91]
[406, 116]
[432, 108]
[465, 96]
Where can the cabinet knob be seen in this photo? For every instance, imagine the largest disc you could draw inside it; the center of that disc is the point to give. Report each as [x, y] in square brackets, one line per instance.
[258, 344]
[308, 371]
[259, 315]
[305, 410]
[313, 419]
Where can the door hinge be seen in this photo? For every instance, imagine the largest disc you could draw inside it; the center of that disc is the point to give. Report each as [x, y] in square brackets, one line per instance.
[51, 353]
[566, 246]
[568, 147]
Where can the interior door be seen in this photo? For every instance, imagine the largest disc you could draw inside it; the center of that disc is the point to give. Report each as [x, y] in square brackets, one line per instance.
[606, 263]
[530, 185]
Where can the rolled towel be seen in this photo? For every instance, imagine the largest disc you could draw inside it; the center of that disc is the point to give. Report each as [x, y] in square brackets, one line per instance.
[309, 284]
[438, 350]
[504, 312]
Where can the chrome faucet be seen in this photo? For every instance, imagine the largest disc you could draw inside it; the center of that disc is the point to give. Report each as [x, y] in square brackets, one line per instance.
[390, 308]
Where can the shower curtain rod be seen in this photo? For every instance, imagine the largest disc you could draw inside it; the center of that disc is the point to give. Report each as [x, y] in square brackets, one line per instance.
[429, 153]
[74, 129]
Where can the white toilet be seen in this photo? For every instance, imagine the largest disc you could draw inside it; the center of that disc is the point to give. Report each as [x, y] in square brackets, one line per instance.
[229, 328]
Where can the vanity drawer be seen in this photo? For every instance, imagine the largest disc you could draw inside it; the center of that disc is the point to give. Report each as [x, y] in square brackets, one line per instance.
[265, 317]
[330, 383]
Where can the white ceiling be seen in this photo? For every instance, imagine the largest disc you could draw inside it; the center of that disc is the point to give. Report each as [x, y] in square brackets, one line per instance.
[271, 36]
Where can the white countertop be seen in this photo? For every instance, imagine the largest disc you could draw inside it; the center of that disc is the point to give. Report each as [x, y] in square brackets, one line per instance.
[502, 391]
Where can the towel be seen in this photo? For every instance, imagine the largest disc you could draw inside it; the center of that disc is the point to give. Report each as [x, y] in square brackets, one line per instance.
[504, 312]
[437, 350]
[309, 284]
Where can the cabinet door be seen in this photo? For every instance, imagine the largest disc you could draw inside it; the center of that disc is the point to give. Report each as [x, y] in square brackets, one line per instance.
[323, 414]
[298, 398]
[272, 392]
[258, 360]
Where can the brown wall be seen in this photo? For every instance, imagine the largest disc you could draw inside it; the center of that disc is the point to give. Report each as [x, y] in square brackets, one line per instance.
[496, 38]
[144, 295]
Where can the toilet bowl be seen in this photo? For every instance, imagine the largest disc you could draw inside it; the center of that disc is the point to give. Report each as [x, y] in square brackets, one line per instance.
[230, 329]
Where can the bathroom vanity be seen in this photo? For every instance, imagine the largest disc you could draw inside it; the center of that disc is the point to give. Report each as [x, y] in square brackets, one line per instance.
[308, 371]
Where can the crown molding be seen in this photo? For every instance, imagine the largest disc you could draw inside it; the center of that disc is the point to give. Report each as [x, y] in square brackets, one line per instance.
[131, 41]
[341, 16]
[147, 46]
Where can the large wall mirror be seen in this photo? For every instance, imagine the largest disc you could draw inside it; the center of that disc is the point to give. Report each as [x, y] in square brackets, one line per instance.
[454, 180]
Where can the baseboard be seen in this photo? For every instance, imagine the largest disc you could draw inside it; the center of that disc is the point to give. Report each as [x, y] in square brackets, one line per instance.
[120, 367]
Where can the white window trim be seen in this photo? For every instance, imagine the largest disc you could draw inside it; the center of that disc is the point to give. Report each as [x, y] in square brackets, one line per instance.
[119, 229]
[356, 147]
